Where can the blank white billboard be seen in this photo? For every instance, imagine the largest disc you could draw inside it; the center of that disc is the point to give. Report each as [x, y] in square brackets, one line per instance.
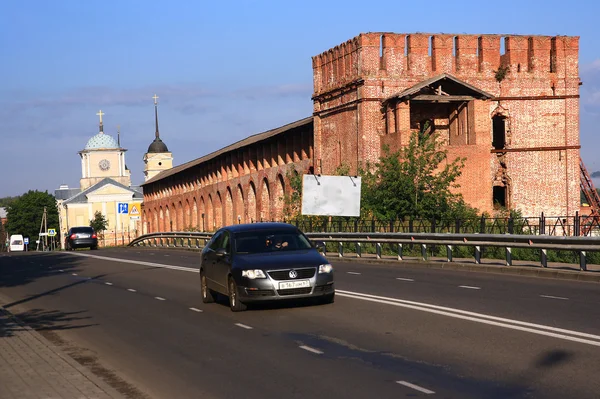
[331, 195]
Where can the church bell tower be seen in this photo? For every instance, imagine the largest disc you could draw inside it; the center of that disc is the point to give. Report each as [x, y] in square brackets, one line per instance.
[158, 157]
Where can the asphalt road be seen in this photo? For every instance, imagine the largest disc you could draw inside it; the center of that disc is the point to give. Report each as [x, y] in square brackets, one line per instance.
[394, 331]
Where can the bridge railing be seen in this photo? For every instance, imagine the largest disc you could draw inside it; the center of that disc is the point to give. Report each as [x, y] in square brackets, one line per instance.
[580, 245]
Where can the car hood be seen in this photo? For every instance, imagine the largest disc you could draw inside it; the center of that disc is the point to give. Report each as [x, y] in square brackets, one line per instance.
[280, 260]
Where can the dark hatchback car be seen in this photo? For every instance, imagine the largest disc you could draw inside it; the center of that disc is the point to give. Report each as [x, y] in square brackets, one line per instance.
[264, 262]
[81, 237]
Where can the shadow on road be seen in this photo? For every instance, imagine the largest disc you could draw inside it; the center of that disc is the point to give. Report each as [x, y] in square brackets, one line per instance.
[18, 269]
[41, 320]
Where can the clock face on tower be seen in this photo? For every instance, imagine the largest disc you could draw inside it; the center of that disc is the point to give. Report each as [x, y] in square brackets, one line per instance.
[104, 164]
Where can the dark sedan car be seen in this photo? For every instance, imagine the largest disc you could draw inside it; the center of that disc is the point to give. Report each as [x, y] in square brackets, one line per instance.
[81, 237]
[264, 262]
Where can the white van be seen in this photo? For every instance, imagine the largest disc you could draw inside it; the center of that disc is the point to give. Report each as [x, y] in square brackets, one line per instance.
[16, 243]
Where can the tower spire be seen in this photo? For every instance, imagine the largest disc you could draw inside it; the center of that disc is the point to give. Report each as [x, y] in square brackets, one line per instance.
[157, 134]
[100, 113]
[119, 135]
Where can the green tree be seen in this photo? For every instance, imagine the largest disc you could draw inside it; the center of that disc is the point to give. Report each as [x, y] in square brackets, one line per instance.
[24, 214]
[5, 201]
[415, 181]
[99, 223]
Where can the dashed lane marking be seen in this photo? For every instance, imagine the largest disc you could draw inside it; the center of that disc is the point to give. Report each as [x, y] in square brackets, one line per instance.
[196, 310]
[159, 298]
[353, 273]
[62, 271]
[243, 326]
[404, 279]
[555, 297]
[131, 290]
[469, 287]
[74, 274]
[108, 283]
[416, 387]
[313, 350]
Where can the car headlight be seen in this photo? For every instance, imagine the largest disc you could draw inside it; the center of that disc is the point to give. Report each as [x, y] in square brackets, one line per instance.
[326, 268]
[252, 274]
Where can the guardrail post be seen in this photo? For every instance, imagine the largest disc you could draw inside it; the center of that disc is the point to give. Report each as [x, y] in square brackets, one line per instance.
[577, 224]
[482, 225]
[449, 253]
[424, 251]
[508, 256]
[378, 249]
[358, 249]
[542, 224]
[477, 254]
[341, 249]
[544, 256]
[400, 251]
[582, 261]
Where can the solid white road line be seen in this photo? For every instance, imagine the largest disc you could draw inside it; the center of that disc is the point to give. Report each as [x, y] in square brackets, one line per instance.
[131, 290]
[108, 283]
[404, 279]
[243, 326]
[555, 297]
[353, 273]
[196, 310]
[416, 387]
[469, 287]
[313, 350]
[137, 262]
[479, 318]
[159, 298]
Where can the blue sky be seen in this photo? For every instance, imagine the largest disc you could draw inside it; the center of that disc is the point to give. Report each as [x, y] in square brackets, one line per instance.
[222, 70]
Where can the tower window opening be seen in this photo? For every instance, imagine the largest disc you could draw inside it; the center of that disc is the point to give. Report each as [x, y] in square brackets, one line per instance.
[499, 132]
[499, 197]
[160, 164]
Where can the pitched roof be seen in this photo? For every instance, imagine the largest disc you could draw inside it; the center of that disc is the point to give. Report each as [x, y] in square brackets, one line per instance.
[450, 80]
[65, 193]
[81, 198]
[240, 144]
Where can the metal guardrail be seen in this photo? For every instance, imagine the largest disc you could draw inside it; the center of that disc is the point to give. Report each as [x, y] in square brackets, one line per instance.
[581, 245]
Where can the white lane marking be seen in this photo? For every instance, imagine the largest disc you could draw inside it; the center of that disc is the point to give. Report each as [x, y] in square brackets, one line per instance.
[137, 262]
[353, 273]
[313, 350]
[469, 287]
[108, 283]
[243, 326]
[555, 297]
[74, 274]
[159, 298]
[167, 255]
[196, 310]
[61, 271]
[416, 387]
[131, 290]
[479, 318]
[404, 279]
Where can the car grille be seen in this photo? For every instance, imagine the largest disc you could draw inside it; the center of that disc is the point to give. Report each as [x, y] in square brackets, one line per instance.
[294, 291]
[285, 274]
[260, 292]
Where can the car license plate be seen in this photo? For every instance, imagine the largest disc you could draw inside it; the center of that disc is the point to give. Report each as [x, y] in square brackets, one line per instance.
[286, 285]
[84, 236]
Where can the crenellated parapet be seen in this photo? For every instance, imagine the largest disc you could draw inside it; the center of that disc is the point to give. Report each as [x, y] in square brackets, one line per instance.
[397, 55]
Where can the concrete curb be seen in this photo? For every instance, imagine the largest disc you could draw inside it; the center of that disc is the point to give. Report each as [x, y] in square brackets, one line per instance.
[530, 271]
[102, 385]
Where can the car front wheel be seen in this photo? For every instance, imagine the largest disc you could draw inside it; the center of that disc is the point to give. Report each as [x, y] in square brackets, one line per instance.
[207, 295]
[234, 302]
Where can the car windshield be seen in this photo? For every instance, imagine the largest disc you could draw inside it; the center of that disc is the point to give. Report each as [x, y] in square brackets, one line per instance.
[253, 242]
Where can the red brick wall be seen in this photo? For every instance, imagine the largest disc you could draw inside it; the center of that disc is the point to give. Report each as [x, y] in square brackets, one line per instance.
[351, 82]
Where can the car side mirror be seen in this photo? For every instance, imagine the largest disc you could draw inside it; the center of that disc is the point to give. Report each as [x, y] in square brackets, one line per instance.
[320, 245]
[221, 252]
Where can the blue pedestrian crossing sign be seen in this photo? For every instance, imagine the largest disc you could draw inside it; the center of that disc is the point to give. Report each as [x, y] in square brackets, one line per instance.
[26, 240]
[123, 207]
